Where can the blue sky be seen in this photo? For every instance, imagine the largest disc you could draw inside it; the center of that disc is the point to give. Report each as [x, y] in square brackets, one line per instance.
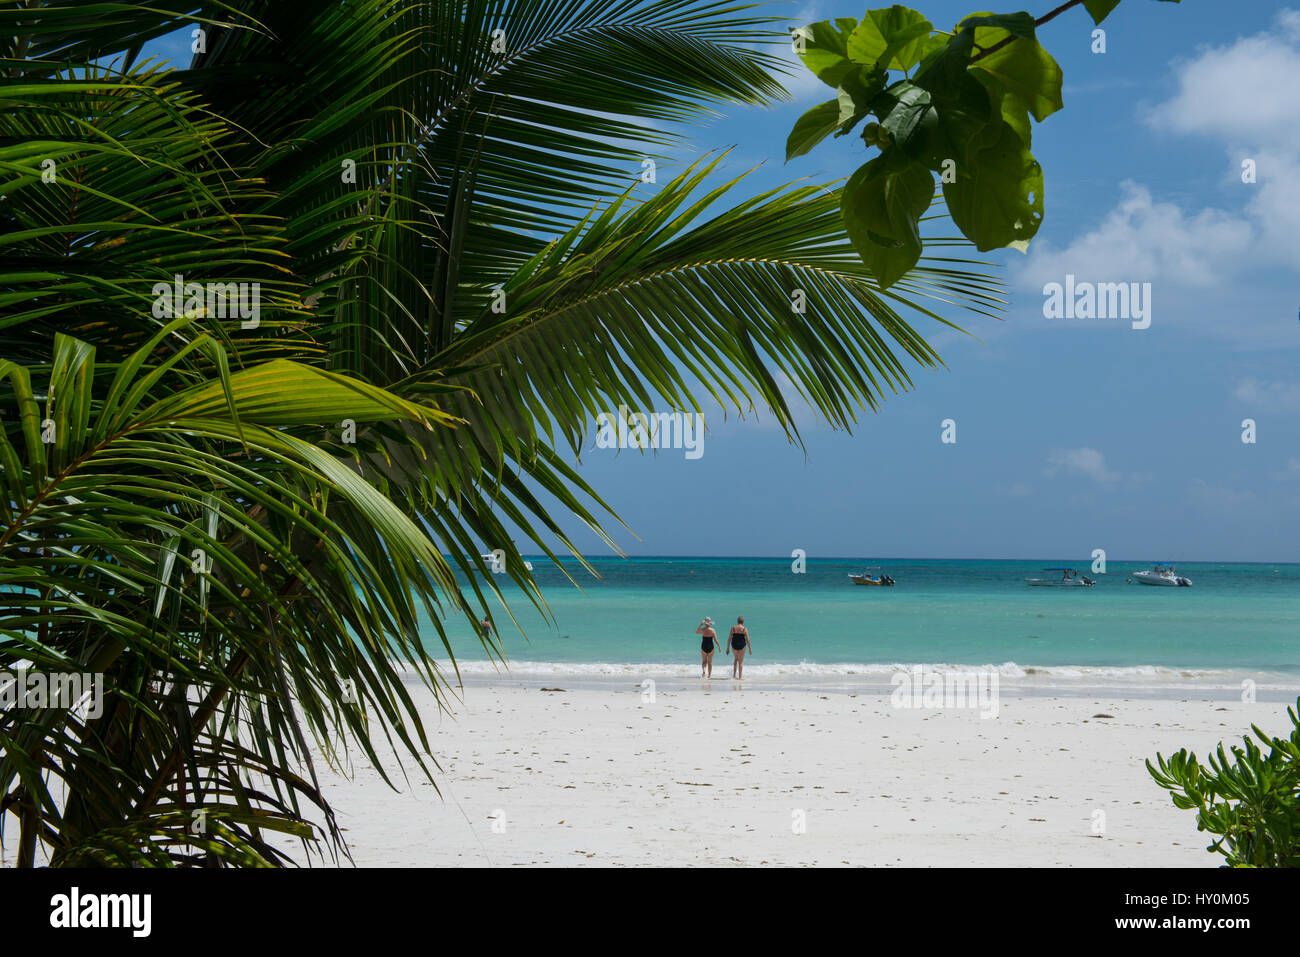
[1071, 434]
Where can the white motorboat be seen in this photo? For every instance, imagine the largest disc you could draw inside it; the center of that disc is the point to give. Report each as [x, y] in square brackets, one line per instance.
[492, 562]
[1162, 573]
[1070, 577]
[867, 578]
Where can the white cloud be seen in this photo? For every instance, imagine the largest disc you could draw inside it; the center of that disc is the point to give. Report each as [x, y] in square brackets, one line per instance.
[1244, 91]
[1242, 95]
[1288, 22]
[1269, 396]
[1275, 206]
[1142, 240]
[1082, 461]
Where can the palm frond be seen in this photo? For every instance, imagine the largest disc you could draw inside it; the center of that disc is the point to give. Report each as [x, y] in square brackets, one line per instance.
[250, 532]
[160, 543]
[642, 301]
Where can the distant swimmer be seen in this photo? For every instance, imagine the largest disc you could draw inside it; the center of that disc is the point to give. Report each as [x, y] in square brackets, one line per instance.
[739, 641]
[486, 625]
[708, 646]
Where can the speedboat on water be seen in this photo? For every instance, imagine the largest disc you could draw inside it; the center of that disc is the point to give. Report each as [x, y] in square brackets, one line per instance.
[490, 559]
[1162, 573]
[1069, 577]
[866, 578]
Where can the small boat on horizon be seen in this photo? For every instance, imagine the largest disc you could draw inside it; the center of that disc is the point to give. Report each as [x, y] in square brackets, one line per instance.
[1069, 577]
[1162, 573]
[491, 561]
[865, 578]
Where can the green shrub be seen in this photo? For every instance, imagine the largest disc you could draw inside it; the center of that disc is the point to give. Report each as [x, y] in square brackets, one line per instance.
[1251, 801]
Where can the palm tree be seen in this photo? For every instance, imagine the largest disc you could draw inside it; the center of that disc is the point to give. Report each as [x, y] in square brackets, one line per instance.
[241, 521]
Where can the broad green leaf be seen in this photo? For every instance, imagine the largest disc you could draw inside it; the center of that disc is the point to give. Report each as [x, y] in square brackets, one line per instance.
[1016, 24]
[1007, 104]
[1024, 68]
[997, 197]
[910, 118]
[1100, 9]
[811, 128]
[933, 44]
[945, 63]
[882, 206]
[895, 37]
[290, 393]
[826, 49]
[963, 110]
[857, 96]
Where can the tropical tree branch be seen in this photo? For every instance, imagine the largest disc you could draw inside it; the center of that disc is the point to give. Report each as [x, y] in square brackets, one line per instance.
[1005, 41]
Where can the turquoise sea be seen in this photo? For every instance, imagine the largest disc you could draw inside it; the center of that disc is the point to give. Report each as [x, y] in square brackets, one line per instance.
[1235, 619]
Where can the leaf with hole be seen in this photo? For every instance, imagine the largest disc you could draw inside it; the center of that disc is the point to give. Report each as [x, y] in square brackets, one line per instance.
[996, 199]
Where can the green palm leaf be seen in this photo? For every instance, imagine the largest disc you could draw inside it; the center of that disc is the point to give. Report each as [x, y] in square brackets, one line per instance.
[240, 526]
[90, 579]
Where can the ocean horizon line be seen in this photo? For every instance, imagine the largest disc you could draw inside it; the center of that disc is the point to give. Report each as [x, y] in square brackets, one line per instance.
[899, 558]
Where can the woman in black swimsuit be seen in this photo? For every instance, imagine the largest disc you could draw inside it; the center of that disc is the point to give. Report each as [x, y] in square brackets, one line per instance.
[707, 646]
[739, 641]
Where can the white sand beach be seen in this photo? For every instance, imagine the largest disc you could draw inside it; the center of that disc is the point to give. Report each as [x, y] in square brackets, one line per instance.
[716, 774]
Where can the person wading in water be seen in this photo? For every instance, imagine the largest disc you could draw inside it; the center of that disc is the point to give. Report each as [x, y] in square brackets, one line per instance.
[708, 646]
[739, 642]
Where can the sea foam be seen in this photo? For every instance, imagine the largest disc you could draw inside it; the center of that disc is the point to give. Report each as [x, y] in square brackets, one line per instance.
[873, 673]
